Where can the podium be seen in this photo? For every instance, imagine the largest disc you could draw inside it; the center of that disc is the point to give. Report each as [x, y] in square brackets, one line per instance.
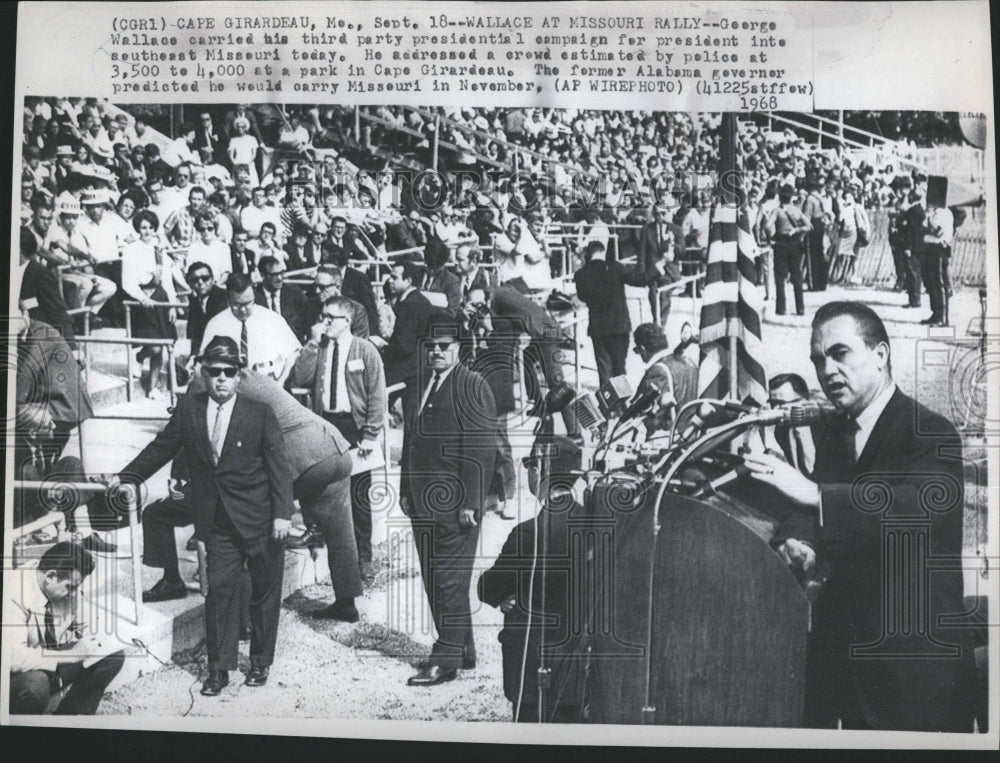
[723, 641]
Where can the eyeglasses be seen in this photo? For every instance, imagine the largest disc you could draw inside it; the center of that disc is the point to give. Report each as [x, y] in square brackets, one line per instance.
[276, 273]
[216, 371]
[327, 318]
[441, 345]
[201, 279]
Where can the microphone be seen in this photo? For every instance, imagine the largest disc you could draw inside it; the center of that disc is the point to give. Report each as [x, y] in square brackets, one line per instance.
[715, 413]
[640, 404]
[802, 413]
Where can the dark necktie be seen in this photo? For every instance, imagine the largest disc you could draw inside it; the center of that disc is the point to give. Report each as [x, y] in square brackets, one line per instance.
[50, 628]
[334, 373]
[850, 430]
[434, 388]
[274, 301]
[244, 343]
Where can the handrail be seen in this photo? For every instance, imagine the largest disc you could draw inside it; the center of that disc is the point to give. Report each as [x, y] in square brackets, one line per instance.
[132, 508]
[879, 150]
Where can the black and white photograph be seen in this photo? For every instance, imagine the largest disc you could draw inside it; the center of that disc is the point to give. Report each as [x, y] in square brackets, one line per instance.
[535, 414]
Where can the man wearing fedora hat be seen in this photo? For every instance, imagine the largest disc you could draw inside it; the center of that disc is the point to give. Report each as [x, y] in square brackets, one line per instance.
[241, 501]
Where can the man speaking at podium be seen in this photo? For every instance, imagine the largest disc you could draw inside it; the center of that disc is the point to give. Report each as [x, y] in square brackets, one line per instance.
[886, 499]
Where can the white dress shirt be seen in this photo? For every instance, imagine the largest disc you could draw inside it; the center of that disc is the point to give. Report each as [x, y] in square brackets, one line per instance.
[430, 386]
[343, 401]
[226, 415]
[270, 341]
[867, 419]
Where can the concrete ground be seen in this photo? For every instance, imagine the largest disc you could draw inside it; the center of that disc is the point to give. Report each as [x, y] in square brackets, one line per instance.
[325, 670]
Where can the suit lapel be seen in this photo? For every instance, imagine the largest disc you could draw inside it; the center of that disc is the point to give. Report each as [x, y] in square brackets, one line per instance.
[234, 424]
[882, 429]
[200, 409]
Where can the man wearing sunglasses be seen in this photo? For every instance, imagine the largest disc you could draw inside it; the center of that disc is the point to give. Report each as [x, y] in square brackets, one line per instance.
[449, 448]
[241, 500]
[206, 301]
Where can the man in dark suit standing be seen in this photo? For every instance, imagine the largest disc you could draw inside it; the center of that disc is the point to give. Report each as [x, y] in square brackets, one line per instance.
[354, 284]
[273, 293]
[241, 499]
[661, 248]
[207, 135]
[885, 498]
[206, 301]
[347, 381]
[601, 286]
[413, 311]
[448, 452]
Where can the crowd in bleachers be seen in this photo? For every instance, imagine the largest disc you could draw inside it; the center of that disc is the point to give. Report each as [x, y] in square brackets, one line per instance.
[122, 210]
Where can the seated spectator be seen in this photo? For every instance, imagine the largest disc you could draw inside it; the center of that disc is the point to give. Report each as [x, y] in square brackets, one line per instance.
[205, 301]
[207, 248]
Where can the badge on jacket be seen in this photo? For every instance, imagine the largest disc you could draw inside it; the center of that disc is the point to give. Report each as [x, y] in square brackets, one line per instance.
[356, 364]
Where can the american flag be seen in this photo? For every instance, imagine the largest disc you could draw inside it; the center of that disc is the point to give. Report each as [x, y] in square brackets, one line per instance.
[731, 305]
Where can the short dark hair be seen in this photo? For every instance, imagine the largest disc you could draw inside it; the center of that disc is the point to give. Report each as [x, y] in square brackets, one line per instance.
[270, 225]
[334, 254]
[870, 326]
[650, 336]
[436, 253]
[199, 266]
[66, 558]
[798, 384]
[266, 263]
[237, 283]
[411, 270]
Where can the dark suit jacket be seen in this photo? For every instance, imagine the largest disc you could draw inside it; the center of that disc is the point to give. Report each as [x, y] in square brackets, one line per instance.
[42, 285]
[313, 309]
[651, 245]
[198, 318]
[253, 479]
[601, 286]
[447, 283]
[449, 450]
[47, 373]
[401, 355]
[292, 302]
[910, 474]
[524, 315]
[250, 256]
[480, 280]
[511, 575]
[309, 257]
[219, 141]
[357, 287]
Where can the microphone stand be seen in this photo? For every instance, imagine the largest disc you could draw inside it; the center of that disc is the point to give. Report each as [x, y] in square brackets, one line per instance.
[542, 528]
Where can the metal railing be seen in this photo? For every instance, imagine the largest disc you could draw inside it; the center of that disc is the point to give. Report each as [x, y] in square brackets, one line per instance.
[132, 507]
[138, 342]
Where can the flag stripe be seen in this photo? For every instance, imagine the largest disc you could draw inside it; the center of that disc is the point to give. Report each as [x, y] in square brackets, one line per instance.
[732, 304]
